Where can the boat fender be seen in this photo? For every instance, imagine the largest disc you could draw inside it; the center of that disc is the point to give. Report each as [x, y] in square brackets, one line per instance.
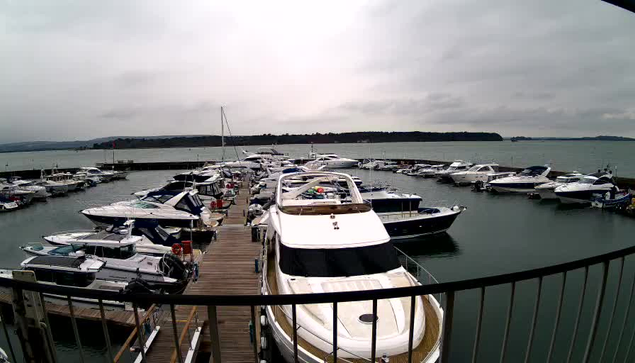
[263, 320]
[263, 343]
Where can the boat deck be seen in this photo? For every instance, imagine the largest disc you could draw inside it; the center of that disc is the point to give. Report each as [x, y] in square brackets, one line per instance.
[428, 343]
[227, 267]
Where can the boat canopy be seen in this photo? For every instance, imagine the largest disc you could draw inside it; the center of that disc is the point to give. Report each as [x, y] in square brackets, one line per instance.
[535, 170]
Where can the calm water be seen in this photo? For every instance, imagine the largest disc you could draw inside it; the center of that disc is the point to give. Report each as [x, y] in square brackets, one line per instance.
[497, 234]
[584, 156]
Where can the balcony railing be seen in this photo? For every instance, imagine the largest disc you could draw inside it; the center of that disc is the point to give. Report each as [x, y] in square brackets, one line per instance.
[591, 344]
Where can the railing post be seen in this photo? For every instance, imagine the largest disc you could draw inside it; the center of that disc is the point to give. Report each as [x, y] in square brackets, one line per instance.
[479, 321]
[6, 336]
[597, 313]
[213, 333]
[75, 330]
[175, 330]
[255, 324]
[534, 320]
[22, 324]
[558, 313]
[626, 315]
[104, 326]
[508, 323]
[46, 327]
[335, 321]
[373, 343]
[617, 297]
[294, 319]
[413, 307]
[577, 320]
[447, 327]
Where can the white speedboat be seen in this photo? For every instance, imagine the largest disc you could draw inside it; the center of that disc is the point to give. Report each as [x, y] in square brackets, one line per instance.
[169, 209]
[40, 192]
[547, 190]
[17, 194]
[148, 236]
[122, 262]
[414, 170]
[92, 171]
[419, 222]
[431, 171]
[7, 205]
[476, 173]
[523, 182]
[324, 243]
[77, 272]
[331, 161]
[583, 191]
[455, 167]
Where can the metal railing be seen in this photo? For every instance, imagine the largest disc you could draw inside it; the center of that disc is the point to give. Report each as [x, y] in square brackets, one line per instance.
[593, 343]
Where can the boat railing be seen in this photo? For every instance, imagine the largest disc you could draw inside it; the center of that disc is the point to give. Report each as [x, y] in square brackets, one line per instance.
[421, 274]
[595, 318]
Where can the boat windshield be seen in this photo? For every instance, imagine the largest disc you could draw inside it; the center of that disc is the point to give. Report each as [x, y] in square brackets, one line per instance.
[143, 205]
[339, 262]
[587, 180]
[533, 171]
[474, 168]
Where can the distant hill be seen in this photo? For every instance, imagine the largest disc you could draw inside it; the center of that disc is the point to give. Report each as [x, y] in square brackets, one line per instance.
[593, 138]
[64, 145]
[317, 138]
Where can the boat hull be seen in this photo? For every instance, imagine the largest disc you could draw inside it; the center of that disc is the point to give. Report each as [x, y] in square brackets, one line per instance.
[419, 225]
[513, 187]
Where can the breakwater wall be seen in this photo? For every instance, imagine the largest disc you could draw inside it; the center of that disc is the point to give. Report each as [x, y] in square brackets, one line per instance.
[187, 165]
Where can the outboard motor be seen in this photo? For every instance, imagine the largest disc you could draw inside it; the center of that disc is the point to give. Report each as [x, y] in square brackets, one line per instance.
[173, 267]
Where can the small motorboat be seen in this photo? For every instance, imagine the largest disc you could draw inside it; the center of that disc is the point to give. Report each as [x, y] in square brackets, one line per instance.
[40, 192]
[476, 173]
[583, 191]
[331, 161]
[420, 222]
[523, 182]
[455, 167]
[92, 171]
[7, 205]
[547, 190]
[431, 171]
[618, 201]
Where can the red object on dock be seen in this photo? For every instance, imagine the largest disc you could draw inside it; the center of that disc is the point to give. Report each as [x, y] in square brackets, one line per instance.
[187, 247]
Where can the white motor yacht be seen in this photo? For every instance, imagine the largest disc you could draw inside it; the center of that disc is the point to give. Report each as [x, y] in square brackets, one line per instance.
[476, 173]
[17, 194]
[40, 192]
[169, 209]
[547, 190]
[523, 182]
[414, 170]
[322, 242]
[66, 179]
[123, 263]
[331, 161]
[105, 175]
[455, 167]
[583, 191]
[431, 171]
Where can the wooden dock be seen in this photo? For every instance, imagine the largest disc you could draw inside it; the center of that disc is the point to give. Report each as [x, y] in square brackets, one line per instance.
[227, 267]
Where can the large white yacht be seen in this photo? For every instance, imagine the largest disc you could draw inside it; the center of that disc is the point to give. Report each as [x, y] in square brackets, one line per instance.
[331, 161]
[92, 171]
[582, 192]
[523, 182]
[547, 190]
[328, 242]
[476, 173]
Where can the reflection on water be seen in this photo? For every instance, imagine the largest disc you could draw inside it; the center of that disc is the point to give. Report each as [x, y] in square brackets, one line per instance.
[439, 245]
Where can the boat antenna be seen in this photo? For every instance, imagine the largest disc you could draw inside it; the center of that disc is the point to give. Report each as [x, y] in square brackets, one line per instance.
[230, 132]
[222, 132]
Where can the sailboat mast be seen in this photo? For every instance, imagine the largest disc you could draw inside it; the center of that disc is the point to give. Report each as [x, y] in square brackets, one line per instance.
[222, 132]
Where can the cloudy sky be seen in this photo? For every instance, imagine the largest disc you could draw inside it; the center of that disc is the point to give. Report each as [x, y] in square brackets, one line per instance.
[84, 69]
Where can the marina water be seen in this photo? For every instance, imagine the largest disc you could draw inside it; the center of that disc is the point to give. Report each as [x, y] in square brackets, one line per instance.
[497, 234]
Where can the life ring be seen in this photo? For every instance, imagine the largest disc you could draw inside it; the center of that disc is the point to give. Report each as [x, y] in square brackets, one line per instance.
[176, 249]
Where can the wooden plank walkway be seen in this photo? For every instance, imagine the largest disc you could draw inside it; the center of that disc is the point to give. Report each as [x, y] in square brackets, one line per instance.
[226, 268]
[117, 317]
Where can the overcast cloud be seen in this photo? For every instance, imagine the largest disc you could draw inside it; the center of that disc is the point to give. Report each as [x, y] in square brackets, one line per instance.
[84, 69]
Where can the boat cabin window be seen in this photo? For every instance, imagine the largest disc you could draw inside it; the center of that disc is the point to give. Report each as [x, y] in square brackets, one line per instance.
[338, 262]
[65, 278]
[587, 180]
[602, 180]
[111, 252]
[158, 198]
